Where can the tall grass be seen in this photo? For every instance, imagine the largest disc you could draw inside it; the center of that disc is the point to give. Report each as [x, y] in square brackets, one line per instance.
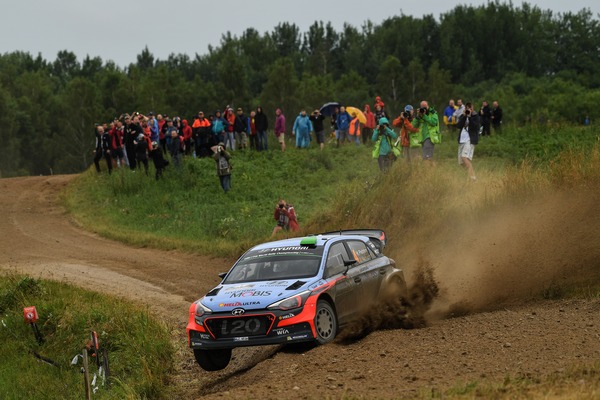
[140, 350]
[336, 188]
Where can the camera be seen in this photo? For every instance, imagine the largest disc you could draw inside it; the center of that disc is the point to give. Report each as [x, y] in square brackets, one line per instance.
[405, 114]
[422, 110]
[281, 206]
[467, 112]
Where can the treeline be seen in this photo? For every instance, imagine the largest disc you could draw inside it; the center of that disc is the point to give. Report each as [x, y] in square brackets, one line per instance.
[541, 66]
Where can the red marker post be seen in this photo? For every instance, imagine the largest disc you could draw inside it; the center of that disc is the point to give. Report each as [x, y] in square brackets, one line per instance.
[31, 316]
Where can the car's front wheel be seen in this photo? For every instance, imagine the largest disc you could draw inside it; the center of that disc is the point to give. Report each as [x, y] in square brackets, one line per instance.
[213, 360]
[325, 322]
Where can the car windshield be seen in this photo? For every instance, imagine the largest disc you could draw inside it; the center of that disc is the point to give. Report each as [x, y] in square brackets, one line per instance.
[277, 263]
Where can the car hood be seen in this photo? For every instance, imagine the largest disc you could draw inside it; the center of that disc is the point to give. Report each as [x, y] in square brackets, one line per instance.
[253, 295]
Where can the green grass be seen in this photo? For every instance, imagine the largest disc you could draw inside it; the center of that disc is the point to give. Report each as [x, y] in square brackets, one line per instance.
[140, 350]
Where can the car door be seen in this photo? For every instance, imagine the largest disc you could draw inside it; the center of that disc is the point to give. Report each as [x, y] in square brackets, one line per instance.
[368, 274]
[345, 287]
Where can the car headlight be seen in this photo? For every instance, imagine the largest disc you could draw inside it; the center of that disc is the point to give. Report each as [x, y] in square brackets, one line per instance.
[296, 301]
[201, 309]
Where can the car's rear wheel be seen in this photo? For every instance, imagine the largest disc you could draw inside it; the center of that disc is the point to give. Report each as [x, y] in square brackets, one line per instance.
[213, 360]
[325, 322]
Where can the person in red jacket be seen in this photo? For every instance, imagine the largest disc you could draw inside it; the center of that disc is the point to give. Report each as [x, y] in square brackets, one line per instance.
[369, 125]
[187, 138]
[285, 215]
[404, 123]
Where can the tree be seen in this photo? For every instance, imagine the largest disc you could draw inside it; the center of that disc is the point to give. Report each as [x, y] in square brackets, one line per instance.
[280, 89]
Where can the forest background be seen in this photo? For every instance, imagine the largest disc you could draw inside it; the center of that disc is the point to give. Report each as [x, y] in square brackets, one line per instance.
[543, 68]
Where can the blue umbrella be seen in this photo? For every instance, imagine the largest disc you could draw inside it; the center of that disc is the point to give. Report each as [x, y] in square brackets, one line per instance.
[328, 109]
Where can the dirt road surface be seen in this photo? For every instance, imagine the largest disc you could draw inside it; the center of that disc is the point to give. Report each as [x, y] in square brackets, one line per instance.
[528, 339]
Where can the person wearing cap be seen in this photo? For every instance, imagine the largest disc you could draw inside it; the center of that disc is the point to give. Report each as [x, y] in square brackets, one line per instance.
[404, 122]
[386, 156]
[222, 158]
[317, 121]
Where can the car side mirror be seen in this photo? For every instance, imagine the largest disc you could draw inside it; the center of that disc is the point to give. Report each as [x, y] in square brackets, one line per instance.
[222, 275]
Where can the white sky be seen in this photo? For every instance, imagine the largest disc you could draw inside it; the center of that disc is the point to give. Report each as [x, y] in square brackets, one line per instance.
[119, 30]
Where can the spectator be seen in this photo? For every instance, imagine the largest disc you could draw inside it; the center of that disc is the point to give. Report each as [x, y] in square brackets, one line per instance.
[302, 129]
[241, 129]
[285, 215]
[354, 130]
[142, 146]
[406, 129]
[116, 134]
[154, 128]
[222, 158]
[449, 114]
[201, 132]
[386, 156]
[468, 124]
[230, 126]
[497, 117]
[218, 128]
[280, 128]
[252, 130]
[485, 117]
[187, 137]
[262, 124]
[334, 126]
[174, 145]
[162, 123]
[158, 159]
[317, 122]
[460, 109]
[129, 137]
[427, 120]
[343, 124]
[380, 113]
[103, 148]
[367, 131]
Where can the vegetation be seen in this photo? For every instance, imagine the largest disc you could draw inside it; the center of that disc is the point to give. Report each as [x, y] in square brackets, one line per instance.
[140, 349]
[542, 67]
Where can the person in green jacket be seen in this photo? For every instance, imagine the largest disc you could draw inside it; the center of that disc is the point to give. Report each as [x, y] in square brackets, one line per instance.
[427, 120]
[386, 155]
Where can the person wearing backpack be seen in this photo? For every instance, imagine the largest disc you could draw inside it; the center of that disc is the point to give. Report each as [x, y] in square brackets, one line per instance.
[222, 158]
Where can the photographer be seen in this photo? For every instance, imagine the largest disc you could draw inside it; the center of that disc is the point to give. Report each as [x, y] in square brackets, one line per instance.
[468, 124]
[386, 155]
[427, 120]
[222, 158]
[285, 215]
[407, 130]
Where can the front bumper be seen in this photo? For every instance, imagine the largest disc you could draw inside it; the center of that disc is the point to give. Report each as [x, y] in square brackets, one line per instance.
[290, 326]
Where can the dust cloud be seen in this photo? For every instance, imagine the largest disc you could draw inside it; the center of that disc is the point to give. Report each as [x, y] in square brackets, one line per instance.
[506, 255]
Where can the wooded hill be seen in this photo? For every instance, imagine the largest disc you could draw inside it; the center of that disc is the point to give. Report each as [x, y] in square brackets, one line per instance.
[541, 66]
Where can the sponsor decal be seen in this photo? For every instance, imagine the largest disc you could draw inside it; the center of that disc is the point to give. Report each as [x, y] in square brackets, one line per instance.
[204, 336]
[288, 248]
[236, 288]
[277, 284]
[250, 293]
[241, 339]
[317, 284]
[239, 304]
[300, 337]
[281, 331]
[287, 316]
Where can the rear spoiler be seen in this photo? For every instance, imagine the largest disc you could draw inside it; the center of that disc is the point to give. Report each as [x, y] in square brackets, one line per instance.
[376, 235]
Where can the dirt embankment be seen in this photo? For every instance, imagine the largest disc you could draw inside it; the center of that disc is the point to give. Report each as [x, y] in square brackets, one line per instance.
[501, 259]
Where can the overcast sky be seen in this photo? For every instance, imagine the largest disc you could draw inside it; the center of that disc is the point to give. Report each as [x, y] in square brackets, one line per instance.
[118, 30]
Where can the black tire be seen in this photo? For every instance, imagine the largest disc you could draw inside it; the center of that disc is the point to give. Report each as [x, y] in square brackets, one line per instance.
[325, 322]
[213, 360]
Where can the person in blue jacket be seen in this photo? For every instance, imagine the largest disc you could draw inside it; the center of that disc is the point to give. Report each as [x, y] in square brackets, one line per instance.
[302, 129]
[343, 124]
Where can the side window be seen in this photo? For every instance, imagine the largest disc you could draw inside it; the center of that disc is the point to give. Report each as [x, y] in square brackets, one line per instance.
[335, 260]
[359, 251]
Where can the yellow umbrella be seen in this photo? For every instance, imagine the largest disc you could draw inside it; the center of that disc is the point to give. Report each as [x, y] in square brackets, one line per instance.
[359, 114]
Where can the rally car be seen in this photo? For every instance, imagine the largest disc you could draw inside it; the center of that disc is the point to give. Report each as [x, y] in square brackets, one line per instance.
[289, 291]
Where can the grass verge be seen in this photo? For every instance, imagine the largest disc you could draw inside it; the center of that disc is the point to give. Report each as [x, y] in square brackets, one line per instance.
[140, 350]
